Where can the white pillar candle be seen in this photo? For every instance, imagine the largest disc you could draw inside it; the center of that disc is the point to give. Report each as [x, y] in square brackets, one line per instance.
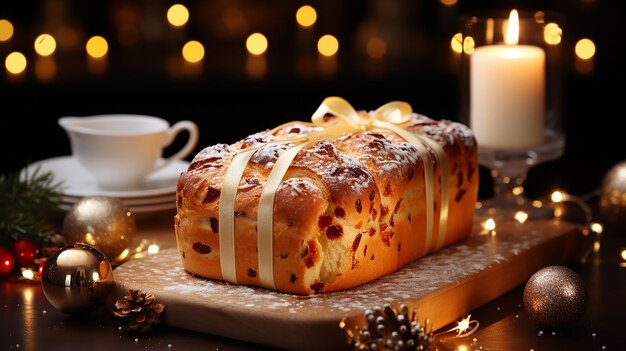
[507, 92]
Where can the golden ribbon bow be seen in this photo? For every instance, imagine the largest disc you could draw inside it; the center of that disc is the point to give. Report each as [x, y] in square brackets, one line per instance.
[389, 116]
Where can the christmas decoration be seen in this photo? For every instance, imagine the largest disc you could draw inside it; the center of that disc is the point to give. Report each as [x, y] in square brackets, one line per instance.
[102, 222]
[139, 311]
[25, 252]
[463, 327]
[555, 296]
[390, 329]
[144, 248]
[28, 274]
[613, 193]
[6, 261]
[42, 264]
[26, 201]
[76, 279]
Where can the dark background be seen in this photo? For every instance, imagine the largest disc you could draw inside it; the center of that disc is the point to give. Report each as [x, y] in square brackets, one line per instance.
[144, 75]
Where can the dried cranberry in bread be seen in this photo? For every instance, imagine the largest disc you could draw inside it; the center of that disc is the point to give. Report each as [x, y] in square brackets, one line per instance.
[347, 211]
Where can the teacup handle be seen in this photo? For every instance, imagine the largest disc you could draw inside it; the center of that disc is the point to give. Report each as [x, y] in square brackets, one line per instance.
[172, 132]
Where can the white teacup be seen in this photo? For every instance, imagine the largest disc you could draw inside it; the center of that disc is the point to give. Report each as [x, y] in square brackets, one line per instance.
[119, 150]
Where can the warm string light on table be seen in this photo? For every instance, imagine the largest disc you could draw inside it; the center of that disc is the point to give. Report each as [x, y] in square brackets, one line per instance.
[557, 200]
[399, 328]
[142, 249]
[465, 327]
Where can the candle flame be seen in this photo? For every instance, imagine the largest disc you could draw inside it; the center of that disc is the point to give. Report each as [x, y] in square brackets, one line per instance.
[512, 29]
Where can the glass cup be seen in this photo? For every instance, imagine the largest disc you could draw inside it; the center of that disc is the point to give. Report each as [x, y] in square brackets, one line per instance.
[511, 96]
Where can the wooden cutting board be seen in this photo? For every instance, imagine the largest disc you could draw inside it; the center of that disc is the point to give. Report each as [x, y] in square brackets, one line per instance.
[444, 286]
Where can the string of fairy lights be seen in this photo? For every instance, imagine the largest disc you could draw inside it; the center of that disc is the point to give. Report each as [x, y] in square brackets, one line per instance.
[193, 51]
[142, 249]
[557, 201]
[177, 15]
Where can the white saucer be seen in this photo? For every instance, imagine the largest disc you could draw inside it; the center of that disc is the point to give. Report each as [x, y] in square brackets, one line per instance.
[130, 201]
[135, 209]
[77, 183]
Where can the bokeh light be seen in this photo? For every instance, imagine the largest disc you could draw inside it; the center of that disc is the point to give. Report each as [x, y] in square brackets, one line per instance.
[328, 45]
[557, 196]
[468, 45]
[97, 46]
[6, 30]
[490, 224]
[45, 44]
[448, 2]
[177, 15]
[521, 216]
[15, 62]
[256, 44]
[552, 33]
[193, 51]
[306, 16]
[585, 49]
[457, 43]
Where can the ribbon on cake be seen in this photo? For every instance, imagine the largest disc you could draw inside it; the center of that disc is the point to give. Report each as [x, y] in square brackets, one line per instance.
[389, 117]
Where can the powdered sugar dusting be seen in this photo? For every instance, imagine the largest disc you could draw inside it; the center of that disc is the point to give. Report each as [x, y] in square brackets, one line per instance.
[215, 151]
[300, 186]
[386, 153]
[337, 169]
[463, 132]
[164, 276]
[269, 154]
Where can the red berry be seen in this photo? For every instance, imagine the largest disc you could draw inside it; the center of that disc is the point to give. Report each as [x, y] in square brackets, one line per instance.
[6, 261]
[25, 252]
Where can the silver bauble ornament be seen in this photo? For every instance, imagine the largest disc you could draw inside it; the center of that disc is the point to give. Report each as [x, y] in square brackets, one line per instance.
[76, 279]
[102, 222]
[613, 193]
[555, 296]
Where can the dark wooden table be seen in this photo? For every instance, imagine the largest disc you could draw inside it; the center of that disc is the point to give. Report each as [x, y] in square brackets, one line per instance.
[29, 322]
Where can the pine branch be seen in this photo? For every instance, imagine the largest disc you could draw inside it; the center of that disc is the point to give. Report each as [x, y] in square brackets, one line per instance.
[25, 200]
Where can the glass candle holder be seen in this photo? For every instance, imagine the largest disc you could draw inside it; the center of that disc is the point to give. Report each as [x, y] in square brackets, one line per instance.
[511, 97]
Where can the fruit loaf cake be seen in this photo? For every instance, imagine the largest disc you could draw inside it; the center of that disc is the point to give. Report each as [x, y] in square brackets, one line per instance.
[347, 210]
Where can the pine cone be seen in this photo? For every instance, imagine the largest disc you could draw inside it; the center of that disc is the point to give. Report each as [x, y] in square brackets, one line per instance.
[393, 329]
[138, 311]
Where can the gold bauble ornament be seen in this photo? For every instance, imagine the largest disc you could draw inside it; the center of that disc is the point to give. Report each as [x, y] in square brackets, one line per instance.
[76, 279]
[102, 222]
[555, 297]
[613, 192]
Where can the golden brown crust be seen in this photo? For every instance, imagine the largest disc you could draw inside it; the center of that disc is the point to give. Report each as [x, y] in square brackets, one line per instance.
[348, 210]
